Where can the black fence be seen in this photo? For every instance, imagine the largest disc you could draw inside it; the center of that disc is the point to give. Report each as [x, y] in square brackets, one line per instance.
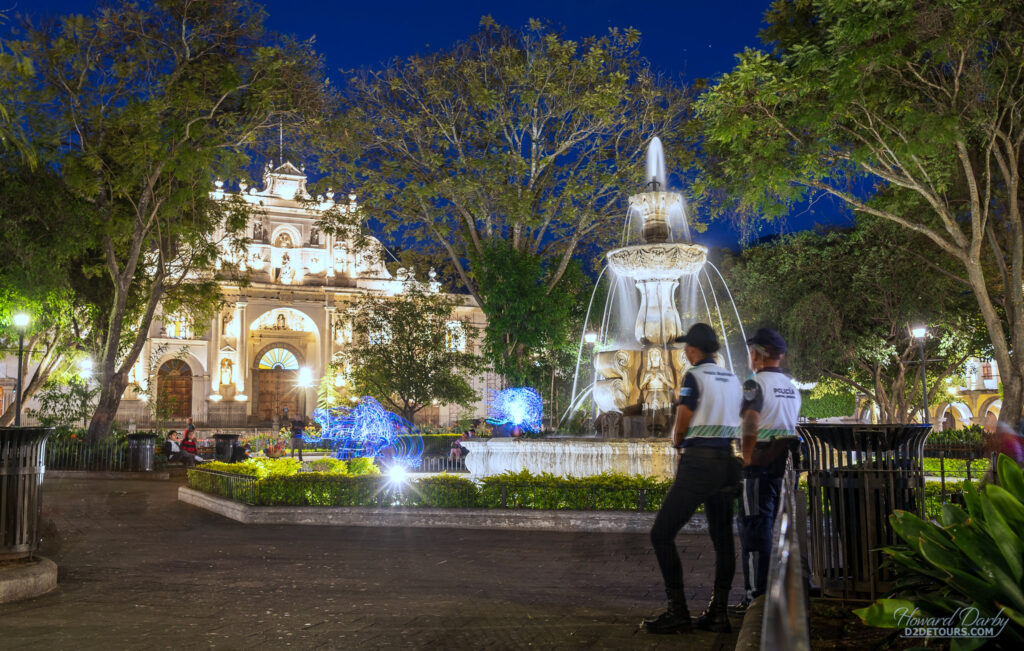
[442, 464]
[111, 456]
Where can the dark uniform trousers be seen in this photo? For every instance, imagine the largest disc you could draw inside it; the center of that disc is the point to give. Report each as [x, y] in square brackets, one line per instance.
[758, 507]
[708, 476]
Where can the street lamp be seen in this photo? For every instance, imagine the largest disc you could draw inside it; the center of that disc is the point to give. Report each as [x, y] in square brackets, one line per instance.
[21, 321]
[920, 332]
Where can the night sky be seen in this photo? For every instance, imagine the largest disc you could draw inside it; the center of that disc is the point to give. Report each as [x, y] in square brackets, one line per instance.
[683, 39]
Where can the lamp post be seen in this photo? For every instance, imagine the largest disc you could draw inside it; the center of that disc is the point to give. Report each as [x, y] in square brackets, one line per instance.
[21, 321]
[920, 332]
[590, 337]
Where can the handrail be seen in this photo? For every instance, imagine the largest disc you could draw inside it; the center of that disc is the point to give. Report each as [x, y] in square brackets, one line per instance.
[785, 623]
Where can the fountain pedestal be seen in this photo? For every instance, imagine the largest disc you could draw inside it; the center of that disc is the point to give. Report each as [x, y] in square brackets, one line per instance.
[571, 457]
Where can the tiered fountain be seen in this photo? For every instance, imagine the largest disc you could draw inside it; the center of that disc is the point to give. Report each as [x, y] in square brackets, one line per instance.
[660, 285]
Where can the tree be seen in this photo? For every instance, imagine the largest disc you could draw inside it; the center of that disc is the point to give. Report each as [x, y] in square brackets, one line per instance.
[908, 110]
[521, 143]
[138, 107]
[37, 244]
[409, 351]
[845, 302]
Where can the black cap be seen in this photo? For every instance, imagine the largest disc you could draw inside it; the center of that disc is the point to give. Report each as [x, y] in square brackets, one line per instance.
[770, 340]
[702, 337]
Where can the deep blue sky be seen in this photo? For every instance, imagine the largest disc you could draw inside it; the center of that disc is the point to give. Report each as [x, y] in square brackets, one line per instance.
[684, 39]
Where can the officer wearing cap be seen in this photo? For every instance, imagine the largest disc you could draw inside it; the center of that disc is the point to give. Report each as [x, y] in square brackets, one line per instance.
[771, 406]
[707, 421]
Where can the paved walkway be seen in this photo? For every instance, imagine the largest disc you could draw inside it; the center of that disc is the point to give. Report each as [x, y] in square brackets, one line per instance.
[140, 570]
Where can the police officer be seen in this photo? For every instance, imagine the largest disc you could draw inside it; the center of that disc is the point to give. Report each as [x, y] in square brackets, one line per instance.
[707, 421]
[771, 406]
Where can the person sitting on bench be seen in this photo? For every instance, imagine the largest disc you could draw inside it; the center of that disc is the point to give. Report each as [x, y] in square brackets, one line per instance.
[174, 451]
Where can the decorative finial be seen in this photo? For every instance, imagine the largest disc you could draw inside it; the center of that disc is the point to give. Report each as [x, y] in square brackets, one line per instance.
[219, 184]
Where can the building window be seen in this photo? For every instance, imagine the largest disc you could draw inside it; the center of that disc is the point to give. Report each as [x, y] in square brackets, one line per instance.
[986, 371]
[279, 358]
[455, 338]
[177, 327]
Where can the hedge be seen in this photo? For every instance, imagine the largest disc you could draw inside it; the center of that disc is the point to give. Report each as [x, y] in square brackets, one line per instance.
[510, 490]
[830, 405]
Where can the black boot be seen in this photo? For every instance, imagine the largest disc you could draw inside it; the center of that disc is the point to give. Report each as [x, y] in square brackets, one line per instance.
[674, 620]
[715, 617]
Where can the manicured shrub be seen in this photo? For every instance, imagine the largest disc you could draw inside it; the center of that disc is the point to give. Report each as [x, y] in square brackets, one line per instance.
[442, 491]
[328, 465]
[362, 466]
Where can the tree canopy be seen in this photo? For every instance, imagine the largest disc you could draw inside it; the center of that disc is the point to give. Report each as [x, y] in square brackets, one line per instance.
[511, 150]
[908, 110]
[845, 302]
[137, 108]
[410, 351]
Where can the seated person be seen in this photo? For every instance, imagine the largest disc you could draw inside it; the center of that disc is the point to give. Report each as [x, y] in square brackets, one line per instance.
[174, 451]
[458, 452]
[191, 445]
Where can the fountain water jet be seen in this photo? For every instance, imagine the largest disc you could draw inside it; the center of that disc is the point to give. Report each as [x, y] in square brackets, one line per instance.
[660, 286]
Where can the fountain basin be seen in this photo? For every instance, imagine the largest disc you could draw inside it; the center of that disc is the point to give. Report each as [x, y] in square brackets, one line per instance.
[571, 457]
[665, 261]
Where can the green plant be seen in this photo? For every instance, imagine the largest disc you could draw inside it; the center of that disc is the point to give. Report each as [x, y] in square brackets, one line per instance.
[362, 466]
[970, 561]
[329, 465]
[972, 435]
[828, 405]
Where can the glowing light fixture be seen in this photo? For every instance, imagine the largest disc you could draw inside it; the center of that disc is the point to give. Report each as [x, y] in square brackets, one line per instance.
[397, 474]
[21, 320]
[590, 337]
[919, 332]
[305, 377]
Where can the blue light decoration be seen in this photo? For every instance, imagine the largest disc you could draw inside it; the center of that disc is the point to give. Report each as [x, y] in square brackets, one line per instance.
[518, 406]
[366, 429]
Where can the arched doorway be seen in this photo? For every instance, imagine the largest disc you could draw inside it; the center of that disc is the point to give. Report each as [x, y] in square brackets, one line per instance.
[174, 389]
[276, 375]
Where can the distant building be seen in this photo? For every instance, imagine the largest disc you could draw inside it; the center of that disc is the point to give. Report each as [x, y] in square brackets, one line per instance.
[958, 407]
[242, 368]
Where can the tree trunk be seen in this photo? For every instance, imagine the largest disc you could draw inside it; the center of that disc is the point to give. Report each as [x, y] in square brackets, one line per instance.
[106, 409]
[1013, 396]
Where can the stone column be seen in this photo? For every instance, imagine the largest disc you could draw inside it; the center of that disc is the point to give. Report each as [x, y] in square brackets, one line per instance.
[328, 342]
[213, 355]
[243, 348]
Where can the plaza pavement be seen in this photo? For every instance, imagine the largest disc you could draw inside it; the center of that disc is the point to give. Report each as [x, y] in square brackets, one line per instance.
[140, 570]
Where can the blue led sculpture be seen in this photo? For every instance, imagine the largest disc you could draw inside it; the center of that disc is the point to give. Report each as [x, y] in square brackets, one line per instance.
[518, 406]
[366, 429]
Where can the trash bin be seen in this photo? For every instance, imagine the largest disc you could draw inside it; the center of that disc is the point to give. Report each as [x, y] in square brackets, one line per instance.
[857, 475]
[22, 462]
[225, 443]
[141, 449]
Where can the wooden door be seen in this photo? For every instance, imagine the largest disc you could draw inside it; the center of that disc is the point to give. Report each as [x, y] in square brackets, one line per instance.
[174, 389]
[276, 390]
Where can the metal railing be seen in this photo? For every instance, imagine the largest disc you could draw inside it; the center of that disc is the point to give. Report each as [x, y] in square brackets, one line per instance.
[442, 464]
[240, 488]
[78, 455]
[785, 623]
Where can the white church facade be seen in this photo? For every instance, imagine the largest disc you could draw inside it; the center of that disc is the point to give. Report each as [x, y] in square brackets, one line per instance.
[270, 346]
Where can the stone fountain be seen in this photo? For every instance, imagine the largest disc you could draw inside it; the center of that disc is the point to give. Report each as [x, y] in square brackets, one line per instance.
[638, 368]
